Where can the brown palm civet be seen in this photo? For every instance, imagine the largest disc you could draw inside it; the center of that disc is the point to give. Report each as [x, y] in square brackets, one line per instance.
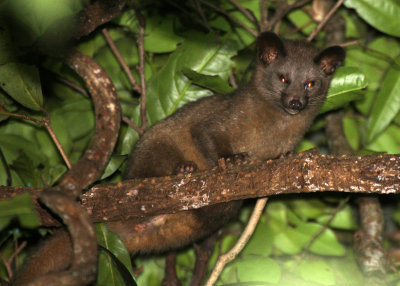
[264, 119]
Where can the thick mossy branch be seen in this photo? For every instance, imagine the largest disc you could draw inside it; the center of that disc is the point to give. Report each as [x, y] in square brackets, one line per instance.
[302, 173]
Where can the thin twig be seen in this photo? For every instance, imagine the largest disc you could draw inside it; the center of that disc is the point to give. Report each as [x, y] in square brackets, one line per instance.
[351, 43]
[179, 6]
[280, 12]
[325, 20]
[7, 262]
[298, 29]
[68, 83]
[263, 8]
[21, 116]
[246, 12]
[132, 125]
[46, 123]
[326, 225]
[121, 60]
[234, 19]
[357, 43]
[240, 244]
[232, 80]
[7, 265]
[201, 12]
[4, 161]
[141, 68]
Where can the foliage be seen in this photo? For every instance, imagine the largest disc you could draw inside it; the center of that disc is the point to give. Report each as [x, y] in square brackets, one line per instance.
[188, 58]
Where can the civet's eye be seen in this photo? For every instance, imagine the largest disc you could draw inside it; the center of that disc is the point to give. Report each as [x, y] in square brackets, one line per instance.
[282, 78]
[309, 84]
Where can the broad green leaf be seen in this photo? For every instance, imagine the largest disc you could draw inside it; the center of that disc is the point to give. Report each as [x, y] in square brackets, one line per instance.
[302, 19]
[382, 15]
[387, 141]
[257, 244]
[113, 165]
[316, 271]
[387, 104]
[277, 215]
[351, 131]
[77, 115]
[355, 27]
[308, 208]
[291, 241]
[345, 81]
[169, 89]
[374, 65]
[109, 271]
[12, 145]
[251, 269]
[22, 83]
[160, 36]
[235, 32]
[27, 170]
[20, 207]
[215, 83]
[305, 145]
[326, 243]
[344, 219]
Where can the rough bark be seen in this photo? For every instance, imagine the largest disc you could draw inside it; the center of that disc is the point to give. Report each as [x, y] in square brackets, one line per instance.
[302, 173]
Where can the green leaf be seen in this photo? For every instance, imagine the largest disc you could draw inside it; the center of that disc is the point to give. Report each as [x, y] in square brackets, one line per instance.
[160, 36]
[109, 272]
[215, 83]
[22, 83]
[234, 32]
[387, 141]
[345, 81]
[291, 241]
[20, 207]
[326, 243]
[308, 208]
[374, 65]
[344, 219]
[387, 104]
[305, 145]
[302, 19]
[250, 269]
[257, 244]
[169, 89]
[350, 129]
[316, 271]
[26, 170]
[113, 165]
[382, 15]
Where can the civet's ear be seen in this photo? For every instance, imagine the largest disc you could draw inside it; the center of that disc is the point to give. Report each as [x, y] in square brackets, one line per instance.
[269, 47]
[330, 58]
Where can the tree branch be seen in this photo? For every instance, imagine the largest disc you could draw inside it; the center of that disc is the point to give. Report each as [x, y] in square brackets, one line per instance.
[108, 119]
[302, 173]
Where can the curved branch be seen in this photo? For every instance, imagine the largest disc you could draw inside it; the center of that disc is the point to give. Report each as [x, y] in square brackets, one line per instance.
[97, 14]
[108, 119]
[84, 264]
